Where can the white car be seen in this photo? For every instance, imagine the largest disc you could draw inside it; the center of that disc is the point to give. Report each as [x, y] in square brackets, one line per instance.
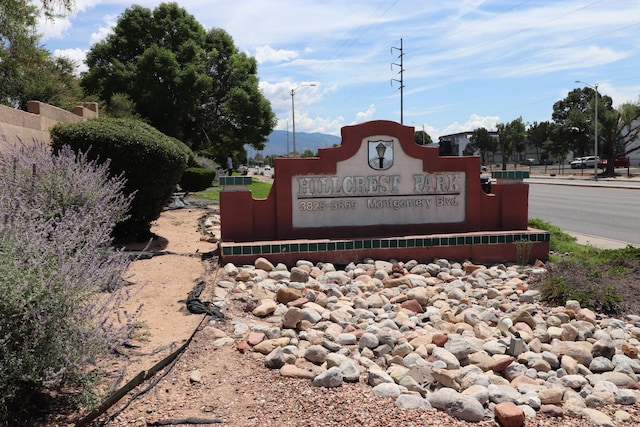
[267, 168]
[584, 162]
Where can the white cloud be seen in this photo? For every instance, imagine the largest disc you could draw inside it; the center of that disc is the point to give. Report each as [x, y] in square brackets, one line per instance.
[268, 54]
[306, 123]
[364, 116]
[103, 31]
[279, 95]
[475, 121]
[53, 29]
[76, 55]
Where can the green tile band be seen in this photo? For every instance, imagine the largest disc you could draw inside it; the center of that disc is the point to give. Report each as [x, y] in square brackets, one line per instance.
[234, 180]
[510, 174]
[388, 243]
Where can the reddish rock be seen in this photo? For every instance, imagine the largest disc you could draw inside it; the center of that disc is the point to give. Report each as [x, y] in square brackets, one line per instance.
[552, 411]
[293, 371]
[297, 302]
[502, 364]
[359, 333]
[509, 415]
[635, 385]
[412, 305]
[505, 307]
[523, 379]
[243, 347]
[629, 350]
[439, 339]
[470, 268]
[305, 325]
[349, 329]
[586, 315]
[255, 338]
[286, 295]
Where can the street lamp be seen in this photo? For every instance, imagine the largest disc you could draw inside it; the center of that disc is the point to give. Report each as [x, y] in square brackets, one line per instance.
[595, 166]
[293, 113]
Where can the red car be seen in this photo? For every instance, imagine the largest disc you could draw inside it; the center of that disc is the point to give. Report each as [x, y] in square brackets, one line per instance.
[620, 162]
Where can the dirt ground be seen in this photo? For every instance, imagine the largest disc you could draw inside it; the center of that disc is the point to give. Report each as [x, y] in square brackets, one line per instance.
[161, 283]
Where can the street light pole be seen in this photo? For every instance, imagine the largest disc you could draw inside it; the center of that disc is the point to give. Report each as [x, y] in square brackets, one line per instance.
[595, 166]
[293, 113]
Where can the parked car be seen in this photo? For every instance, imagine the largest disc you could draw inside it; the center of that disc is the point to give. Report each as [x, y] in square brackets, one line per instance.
[590, 161]
[584, 162]
[622, 162]
[529, 162]
[619, 162]
[576, 163]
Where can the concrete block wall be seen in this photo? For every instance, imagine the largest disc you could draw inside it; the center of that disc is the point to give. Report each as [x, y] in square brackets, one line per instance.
[23, 127]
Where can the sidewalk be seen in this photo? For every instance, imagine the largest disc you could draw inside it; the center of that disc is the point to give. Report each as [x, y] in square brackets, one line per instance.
[598, 242]
[620, 181]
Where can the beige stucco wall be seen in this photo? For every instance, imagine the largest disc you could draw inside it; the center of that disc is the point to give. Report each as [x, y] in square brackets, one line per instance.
[23, 127]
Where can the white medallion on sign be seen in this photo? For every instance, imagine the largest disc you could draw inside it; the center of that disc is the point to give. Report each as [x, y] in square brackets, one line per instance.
[380, 154]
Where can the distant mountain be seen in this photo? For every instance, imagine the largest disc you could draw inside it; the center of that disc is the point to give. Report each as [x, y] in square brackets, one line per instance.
[277, 142]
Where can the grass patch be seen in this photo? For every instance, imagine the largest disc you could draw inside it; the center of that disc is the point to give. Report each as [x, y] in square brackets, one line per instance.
[604, 280]
[560, 243]
[259, 190]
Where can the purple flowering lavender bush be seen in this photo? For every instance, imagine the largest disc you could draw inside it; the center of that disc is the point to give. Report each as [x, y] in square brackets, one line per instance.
[56, 262]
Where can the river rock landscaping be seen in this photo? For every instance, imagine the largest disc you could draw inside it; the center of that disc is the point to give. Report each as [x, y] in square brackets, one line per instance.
[427, 336]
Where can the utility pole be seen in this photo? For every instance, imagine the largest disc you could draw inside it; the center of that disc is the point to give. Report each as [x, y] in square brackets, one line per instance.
[401, 80]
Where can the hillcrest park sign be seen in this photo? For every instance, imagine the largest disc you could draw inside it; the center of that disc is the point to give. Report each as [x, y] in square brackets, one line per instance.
[379, 195]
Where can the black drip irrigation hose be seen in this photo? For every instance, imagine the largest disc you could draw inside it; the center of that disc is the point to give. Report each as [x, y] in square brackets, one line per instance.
[195, 306]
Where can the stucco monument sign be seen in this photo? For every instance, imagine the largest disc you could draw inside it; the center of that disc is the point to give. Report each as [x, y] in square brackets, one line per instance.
[379, 194]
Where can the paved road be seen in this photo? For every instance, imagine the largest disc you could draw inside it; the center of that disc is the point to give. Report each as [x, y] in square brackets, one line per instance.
[605, 214]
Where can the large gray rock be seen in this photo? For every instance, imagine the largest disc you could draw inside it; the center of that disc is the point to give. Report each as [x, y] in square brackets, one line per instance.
[332, 377]
[459, 405]
[412, 401]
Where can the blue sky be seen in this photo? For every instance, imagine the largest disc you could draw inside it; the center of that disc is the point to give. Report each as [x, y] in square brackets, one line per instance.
[467, 63]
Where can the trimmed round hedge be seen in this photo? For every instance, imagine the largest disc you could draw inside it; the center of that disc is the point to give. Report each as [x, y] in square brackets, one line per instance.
[151, 162]
[197, 179]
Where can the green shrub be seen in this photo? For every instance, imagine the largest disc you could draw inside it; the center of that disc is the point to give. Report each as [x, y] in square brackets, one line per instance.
[197, 179]
[151, 162]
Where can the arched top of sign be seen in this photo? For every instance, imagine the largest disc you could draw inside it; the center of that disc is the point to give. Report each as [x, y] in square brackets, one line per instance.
[380, 153]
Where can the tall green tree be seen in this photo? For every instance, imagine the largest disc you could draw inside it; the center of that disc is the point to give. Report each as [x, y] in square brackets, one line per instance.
[483, 142]
[27, 71]
[619, 133]
[56, 8]
[511, 139]
[187, 82]
[422, 138]
[576, 115]
[538, 135]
